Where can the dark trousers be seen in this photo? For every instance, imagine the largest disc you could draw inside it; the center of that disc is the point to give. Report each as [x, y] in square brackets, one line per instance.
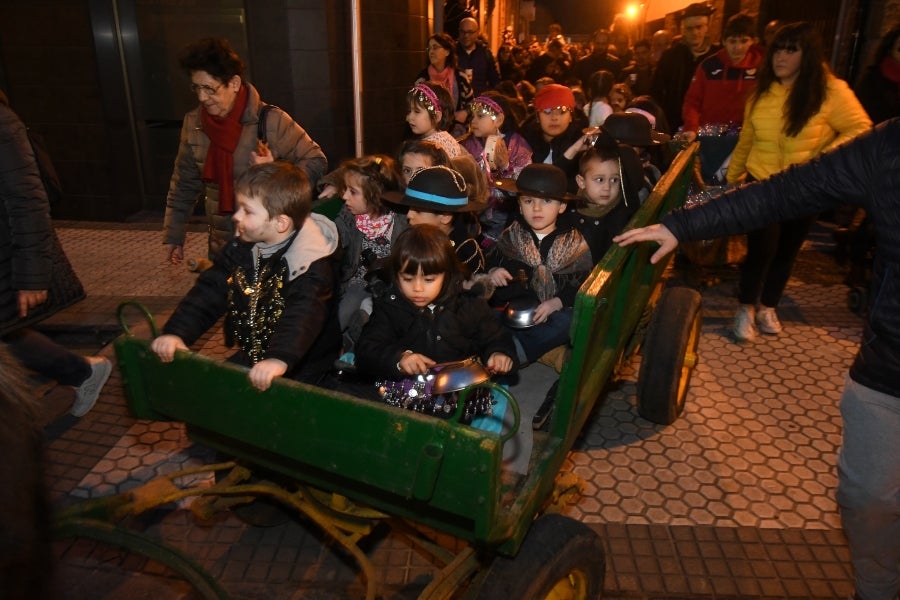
[39, 353]
[771, 253]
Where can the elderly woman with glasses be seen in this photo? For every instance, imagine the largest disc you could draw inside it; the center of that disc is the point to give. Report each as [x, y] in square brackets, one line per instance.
[440, 66]
[219, 141]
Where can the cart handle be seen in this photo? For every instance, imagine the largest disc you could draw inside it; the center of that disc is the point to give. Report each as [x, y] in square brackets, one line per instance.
[510, 401]
[120, 312]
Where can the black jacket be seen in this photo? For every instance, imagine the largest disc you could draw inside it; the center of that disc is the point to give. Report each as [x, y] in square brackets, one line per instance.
[463, 326]
[31, 257]
[864, 172]
[672, 78]
[303, 332]
[540, 148]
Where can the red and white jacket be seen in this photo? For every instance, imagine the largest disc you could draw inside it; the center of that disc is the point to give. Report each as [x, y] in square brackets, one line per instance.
[720, 89]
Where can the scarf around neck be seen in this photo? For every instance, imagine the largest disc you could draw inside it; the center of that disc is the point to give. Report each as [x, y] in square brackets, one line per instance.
[374, 227]
[223, 133]
[518, 242]
[446, 76]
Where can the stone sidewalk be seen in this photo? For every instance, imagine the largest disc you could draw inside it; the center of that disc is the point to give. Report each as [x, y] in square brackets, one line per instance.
[734, 500]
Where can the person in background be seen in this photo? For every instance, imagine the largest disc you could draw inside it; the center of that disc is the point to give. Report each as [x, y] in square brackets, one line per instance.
[660, 41]
[599, 58]
[798, 111]
[770, 30]
[620, 97]
[441, 67]
[31, 262]
[275, 284]
[724, 81]
[553, 63]
[598, 107]
[475, 59]
[879, 87]
[219, 142]
[620, 39]
[416, 155]
[639, 74]
[865, 173]
[678, 64]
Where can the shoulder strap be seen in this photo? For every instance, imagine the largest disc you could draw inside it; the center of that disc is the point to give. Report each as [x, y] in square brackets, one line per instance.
[261, 123]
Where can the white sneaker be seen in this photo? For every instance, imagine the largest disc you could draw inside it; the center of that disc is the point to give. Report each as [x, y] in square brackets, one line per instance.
[87, 393]
[767, 321]
[744, 330]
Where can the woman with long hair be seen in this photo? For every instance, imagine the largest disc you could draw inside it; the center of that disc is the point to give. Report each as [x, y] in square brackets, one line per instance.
[441, 66]
[798, 110]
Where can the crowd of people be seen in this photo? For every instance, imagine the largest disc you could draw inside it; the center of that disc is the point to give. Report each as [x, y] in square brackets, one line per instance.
[516, 176]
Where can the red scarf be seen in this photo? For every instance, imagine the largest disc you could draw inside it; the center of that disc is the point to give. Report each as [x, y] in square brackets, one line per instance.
[890, 68]
[223, 133]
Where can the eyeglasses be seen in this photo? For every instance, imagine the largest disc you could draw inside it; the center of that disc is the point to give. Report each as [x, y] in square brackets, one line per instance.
[556, 111]
[205, 89]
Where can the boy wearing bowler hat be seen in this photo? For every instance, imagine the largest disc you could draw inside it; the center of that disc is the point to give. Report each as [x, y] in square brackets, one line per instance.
[539, 261]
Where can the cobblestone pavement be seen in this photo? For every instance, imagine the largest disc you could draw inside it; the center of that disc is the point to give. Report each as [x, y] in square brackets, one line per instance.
[734, 500]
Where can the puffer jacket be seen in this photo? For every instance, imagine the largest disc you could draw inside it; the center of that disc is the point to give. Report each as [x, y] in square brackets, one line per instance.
[287, 141]
[864, 172]
[763, 149]
[31, 257]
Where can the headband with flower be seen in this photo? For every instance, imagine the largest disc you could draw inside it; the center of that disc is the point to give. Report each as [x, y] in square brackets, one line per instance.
[484, 105]
[426, 96]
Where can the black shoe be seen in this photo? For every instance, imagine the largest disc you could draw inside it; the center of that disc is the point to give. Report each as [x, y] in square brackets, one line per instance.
[546, 409]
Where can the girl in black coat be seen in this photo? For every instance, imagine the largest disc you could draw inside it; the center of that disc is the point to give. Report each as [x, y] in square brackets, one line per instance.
[426, 318]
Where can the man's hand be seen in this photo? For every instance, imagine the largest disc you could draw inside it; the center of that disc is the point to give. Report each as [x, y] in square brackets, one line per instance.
[29, 299]
[174, 253]
[263, 372]
[499, 363]
[658, 233]
[166, 345]
[413, 363]
[546, 308]
[500, 276]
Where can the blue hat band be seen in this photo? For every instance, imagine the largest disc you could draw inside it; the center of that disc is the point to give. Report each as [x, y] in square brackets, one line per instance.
[437, 199]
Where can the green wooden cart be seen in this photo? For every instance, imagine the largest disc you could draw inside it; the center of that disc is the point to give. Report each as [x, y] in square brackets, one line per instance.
[349, 463]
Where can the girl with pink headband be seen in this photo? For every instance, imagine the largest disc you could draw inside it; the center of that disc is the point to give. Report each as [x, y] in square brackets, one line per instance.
[430, 114]
[500, 152]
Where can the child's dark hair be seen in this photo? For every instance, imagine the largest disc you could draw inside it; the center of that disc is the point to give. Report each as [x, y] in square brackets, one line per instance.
[739, 25]
[379, 174]
[624, 89]
[596, 153]
[600, 84]
[437, 154]
[423, 94]
[281, 187]
[213, 55]
[428, 248]
[509, 119]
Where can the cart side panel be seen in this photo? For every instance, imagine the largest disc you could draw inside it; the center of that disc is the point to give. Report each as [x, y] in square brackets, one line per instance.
[393, 458]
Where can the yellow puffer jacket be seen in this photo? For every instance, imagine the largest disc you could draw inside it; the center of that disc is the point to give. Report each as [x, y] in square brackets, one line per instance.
[763, 149]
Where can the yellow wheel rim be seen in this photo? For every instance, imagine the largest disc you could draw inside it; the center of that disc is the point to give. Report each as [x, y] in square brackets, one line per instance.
[573, 586]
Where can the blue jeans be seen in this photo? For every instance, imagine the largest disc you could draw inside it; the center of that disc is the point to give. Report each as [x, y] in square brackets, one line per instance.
[538, 340]
[39, 353]
[869, 488]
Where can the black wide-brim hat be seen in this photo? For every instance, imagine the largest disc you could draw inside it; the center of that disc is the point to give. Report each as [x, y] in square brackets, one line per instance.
[436, 189]
[630, 128]
[538, 180]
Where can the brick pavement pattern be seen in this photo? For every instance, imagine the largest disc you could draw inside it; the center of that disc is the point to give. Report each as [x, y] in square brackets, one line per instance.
[734, 500]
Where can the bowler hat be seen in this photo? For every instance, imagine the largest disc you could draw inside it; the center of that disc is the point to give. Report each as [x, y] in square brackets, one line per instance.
[540, 181]
[438, 189]
[630, 128]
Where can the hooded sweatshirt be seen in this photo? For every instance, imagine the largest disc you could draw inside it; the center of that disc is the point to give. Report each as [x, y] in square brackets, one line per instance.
[720, 89]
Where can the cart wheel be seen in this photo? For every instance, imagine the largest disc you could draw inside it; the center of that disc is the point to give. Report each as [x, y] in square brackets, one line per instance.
[669, 355]
[856, 299]
[560, 558]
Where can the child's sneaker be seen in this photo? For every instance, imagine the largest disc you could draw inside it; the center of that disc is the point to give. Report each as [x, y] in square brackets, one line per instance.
[744, 329]
[546, 408]
[767, 321]
[87, 393]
